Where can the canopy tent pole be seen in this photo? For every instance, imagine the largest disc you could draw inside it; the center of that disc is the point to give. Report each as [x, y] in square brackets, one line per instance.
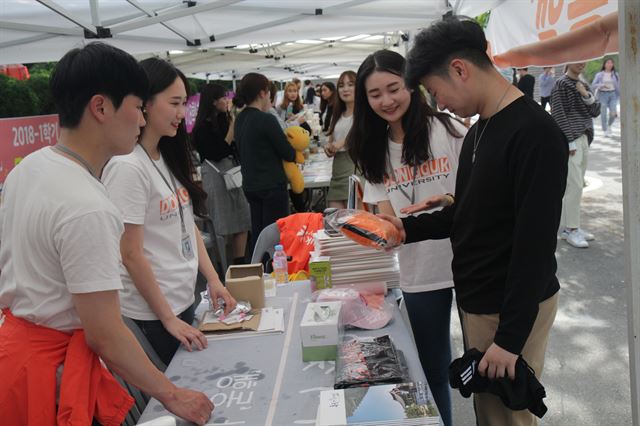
[629, 24]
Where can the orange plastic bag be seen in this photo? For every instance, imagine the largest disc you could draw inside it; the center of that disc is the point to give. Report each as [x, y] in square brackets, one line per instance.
[364, 228]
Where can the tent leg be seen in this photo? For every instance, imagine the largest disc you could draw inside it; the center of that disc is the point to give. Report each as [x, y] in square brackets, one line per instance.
[629, 26]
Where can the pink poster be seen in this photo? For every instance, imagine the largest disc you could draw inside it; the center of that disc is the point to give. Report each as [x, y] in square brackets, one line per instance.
[21, 136]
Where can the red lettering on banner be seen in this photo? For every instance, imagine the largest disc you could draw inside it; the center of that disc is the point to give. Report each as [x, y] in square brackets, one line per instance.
[548, 8]
[578, 14]
[584, 22]
[578, 8]
[21, 136]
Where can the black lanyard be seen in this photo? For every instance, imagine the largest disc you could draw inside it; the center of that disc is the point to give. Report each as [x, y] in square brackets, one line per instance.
[173, 190]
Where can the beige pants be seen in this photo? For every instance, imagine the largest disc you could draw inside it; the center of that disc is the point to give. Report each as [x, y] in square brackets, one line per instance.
[479, 331]
[575, 182]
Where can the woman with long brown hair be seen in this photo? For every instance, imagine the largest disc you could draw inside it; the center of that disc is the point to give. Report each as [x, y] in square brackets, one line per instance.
[213, 138]
[162, 249]
[328, 98]
[341, 121]
[408, 152]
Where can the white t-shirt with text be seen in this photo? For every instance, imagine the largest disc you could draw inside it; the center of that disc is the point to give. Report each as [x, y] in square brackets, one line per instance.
[425, 265]
[143, 197]
[59, 235]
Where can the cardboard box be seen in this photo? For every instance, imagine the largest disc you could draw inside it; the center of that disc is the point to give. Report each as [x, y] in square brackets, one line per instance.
[319, 330]
[320, 272]
[244, 282]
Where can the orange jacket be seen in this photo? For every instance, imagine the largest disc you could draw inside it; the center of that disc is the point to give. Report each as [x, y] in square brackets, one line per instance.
[30, 355]
[296, 236]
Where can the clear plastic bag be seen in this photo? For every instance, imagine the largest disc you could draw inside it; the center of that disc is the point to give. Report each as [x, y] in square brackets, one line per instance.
[364, 228]
[368, 361]
[355, 310]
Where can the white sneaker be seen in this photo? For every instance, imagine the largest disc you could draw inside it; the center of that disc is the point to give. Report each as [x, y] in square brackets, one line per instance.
[588, 236]
[576, 239]
[607, 133]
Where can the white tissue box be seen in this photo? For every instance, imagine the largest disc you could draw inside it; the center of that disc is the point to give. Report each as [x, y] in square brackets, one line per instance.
[319, 330]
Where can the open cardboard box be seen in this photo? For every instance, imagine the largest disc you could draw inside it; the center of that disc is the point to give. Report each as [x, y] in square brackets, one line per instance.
[244, 282]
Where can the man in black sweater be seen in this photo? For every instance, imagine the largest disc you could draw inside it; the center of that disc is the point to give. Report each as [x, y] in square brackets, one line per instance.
[526, 82]
[505, 215]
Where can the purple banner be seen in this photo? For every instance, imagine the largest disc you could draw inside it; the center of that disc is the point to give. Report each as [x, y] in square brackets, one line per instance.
[191, 112]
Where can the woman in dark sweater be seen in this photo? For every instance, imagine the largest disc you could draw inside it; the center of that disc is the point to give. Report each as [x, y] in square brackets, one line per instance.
[262, 146]
[213, 138]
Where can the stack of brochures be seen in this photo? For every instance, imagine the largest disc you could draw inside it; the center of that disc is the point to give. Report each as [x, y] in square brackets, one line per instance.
[395, 404]
[352, 263]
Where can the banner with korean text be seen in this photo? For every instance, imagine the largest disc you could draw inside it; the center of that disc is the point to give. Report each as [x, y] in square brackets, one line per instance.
[21, 136]
[517, 23]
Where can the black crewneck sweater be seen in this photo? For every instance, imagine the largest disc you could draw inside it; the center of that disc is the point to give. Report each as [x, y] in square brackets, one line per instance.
[504, 221]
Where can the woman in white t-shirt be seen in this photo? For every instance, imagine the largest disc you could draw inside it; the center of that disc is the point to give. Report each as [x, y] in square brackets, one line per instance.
[162, 249]
[341, 120]
[408, 152]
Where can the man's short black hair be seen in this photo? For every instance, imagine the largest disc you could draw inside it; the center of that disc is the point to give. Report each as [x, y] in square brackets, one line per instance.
[95, 69]
[307, 82]
[436, 46]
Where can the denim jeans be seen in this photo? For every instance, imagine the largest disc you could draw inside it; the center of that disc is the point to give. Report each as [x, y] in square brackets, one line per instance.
[160, 339]
[608, 108]
[430, 316]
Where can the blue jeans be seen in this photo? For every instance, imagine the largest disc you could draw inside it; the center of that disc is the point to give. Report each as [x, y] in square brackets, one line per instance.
[608, 111]
[430, 316]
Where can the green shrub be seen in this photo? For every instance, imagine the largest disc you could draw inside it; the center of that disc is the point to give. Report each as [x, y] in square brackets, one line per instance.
[18, 99]
[39, 84]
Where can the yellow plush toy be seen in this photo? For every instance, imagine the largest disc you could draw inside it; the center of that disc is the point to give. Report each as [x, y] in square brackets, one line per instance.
[299, 140]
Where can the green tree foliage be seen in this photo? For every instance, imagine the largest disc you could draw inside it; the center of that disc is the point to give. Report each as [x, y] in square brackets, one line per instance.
[483, 19]
[39, 84]
[18, 99]
[42, 67]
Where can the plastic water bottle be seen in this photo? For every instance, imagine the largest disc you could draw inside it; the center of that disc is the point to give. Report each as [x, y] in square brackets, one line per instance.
[280, 267]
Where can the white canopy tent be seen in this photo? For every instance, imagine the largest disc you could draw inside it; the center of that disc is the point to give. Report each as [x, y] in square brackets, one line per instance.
[305, 58]
[221, 37]
[211, 35]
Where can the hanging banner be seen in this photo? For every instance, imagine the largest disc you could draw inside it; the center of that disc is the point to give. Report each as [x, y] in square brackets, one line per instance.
[517, 23]
[21, 136]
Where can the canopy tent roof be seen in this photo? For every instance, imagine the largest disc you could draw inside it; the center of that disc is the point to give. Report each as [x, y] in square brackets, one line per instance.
[208, 30]
[305, 59]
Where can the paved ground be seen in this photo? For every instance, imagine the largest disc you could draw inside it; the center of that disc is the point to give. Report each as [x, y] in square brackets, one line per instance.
[587, 369]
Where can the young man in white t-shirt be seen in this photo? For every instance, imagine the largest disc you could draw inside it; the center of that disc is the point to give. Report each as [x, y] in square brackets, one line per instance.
[60, 259]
